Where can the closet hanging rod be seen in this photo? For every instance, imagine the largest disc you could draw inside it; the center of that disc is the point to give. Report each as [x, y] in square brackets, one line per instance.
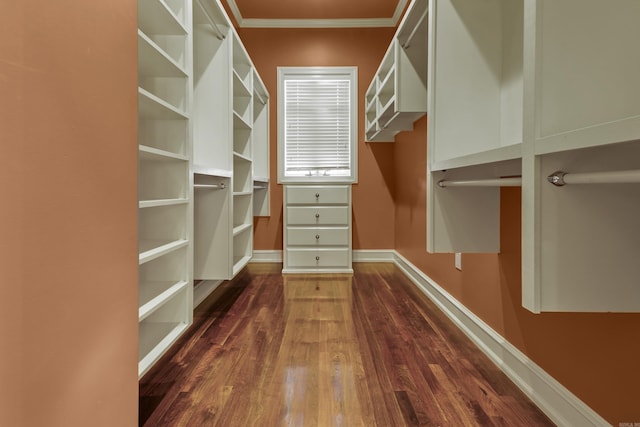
[415, 30]
[219, 34]
[560, 178]
[220, 186]
[495, 182]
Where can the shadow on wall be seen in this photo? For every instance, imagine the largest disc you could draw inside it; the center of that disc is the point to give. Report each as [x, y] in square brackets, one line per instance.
[384, 158]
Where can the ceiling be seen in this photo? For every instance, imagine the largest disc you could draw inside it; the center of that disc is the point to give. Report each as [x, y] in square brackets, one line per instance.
[317, 13]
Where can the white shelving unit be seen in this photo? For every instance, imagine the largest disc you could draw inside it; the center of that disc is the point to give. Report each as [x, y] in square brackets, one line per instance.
[397, 95]
[224, 120]
[242, 85]
[164, 176]
[529, 88]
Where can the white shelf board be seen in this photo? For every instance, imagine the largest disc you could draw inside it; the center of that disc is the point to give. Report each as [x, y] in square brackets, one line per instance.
[241, 156]
[152, 153]
[155, 339]
[240, 229]
[154, 62]
[242, 193]
[205, 170]
[152, 249]
[152, 107]
[240, 123]
[602, 134]
[142, 204]
[153, 295]
[155, 17]
[240, 262]
[240, 89]
[508, 152]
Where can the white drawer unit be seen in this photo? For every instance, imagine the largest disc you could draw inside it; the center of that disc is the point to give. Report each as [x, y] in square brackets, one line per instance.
[317, 229]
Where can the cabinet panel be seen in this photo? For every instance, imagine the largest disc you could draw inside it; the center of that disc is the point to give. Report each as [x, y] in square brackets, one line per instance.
[588, 239]
[317, 195]
[476, 77]
[318, 236]
[318, 258]
[318, 215]
[317, 230]
[583, 92]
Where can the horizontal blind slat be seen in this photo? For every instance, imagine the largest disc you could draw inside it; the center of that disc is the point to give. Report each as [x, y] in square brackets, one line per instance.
[317, 125]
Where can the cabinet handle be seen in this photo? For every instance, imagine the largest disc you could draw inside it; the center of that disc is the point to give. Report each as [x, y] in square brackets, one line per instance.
[317, 215]
[317, 258]
[317, 195]
[317, 237]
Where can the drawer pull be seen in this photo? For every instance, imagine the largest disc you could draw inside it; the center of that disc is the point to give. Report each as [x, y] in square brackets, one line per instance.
[317, 215]
[317, 258]
[317, 237]
[317, 195]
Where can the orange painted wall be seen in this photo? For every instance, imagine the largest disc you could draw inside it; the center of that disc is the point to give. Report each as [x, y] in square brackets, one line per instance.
[68, 239]
[373, 206]
[595, 356]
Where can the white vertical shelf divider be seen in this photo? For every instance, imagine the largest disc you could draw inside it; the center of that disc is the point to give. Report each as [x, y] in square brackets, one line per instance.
[260, 140]
[164, 177]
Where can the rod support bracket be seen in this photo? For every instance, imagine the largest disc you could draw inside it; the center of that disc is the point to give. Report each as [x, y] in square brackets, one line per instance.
[557, 178]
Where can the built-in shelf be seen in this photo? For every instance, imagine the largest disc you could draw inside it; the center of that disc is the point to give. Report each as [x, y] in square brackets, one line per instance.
[161, 202]
[230, 128]
[397, 95]
[152, 107]
[503, 102]
[153, 295]
[151, 153]
[152, 249]
[165, 204]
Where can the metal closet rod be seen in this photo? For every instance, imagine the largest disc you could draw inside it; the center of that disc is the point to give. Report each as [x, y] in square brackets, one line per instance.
[219, 34]
[494, 182]
[560, 178]
[220, 186]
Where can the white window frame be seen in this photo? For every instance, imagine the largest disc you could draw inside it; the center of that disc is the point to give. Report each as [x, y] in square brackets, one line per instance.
[325, 73]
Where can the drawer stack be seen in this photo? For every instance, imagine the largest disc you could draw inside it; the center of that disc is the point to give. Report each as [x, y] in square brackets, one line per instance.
[317, 228]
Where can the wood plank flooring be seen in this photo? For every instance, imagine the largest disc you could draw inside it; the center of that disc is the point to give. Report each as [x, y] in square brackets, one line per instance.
[327, 350]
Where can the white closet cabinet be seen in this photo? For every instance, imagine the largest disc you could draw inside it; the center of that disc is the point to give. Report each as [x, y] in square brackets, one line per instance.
[530, 88]
[317, 229]
[397, 95]
[229, 99]
[164, 176]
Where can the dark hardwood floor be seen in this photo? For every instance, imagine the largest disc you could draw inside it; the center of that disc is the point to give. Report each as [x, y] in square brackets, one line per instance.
[327, 350]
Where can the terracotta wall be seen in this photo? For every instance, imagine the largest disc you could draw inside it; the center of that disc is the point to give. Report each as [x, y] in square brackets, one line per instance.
[373, 205]
[68, 239]
[595, 356]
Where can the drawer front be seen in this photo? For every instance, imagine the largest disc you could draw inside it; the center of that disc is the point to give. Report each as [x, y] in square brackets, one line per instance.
[309, 258]
[317, 195]
[320, 215]
[318, 236]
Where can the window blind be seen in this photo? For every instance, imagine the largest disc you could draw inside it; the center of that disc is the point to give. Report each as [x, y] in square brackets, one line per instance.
[317, 121]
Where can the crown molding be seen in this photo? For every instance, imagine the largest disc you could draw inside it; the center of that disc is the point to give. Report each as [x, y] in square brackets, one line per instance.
[317, 23]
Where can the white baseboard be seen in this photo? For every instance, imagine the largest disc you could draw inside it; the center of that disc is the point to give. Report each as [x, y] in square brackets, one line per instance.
[361, 255]
[267, 256]
[373, 255]
[558, 403]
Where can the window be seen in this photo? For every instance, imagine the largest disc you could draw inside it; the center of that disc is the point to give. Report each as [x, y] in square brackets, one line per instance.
[317, 125]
